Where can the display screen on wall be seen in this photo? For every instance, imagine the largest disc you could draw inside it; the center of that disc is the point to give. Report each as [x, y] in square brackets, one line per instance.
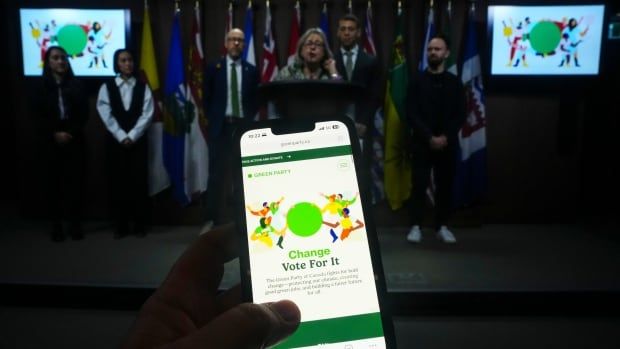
[90, 37]
[546, 40]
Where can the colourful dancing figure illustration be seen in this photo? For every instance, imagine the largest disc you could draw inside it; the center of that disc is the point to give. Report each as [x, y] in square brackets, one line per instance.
[97, 40]
[272, 207]
[336, 203]
[571, 38]
[518, 41]
[44, 37]
[263, 231]
[347, 226]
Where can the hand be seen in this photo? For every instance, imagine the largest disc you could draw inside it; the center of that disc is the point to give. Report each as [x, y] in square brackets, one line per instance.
[438, 143]
[330, 66]
[186, 311]
[62, 137]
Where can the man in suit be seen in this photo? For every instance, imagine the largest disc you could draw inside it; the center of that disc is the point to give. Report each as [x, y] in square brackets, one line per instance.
[359, 67]
[230, 99]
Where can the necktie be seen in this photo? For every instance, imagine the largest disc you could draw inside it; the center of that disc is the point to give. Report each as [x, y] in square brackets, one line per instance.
[61, 104]
[234, 91]
[349, 64]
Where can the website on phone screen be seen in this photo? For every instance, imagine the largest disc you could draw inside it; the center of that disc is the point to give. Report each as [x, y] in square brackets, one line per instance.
[307, 237]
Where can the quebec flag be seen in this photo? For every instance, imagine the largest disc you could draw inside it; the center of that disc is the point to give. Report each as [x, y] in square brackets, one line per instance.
[470, 181]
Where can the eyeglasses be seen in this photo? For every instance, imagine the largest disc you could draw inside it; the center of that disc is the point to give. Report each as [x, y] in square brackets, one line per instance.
[314, 43]
[235, 39]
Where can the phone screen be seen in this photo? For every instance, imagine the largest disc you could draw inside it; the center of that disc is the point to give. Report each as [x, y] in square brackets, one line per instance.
[306, 235]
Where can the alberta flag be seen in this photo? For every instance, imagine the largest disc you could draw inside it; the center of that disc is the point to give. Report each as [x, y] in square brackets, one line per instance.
[471, 176]
[178, 112]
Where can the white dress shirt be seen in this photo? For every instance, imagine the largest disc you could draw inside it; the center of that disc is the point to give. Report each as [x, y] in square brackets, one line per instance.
[238, 67]
[126, 90]
[354, 50]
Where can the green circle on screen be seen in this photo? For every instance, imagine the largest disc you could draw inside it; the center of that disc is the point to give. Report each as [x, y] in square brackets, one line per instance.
[545, 37]
[72, 38]
[304, 219]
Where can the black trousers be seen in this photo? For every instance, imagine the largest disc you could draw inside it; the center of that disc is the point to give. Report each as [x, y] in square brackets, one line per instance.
[127, 168]
[442, 164]
[65, 181]
[221, 173]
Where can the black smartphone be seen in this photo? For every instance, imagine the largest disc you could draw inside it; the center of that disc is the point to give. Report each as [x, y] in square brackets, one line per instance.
[307, 232]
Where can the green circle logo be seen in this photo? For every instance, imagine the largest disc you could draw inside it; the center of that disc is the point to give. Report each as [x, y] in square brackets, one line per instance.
[545, 37]
[304, 219]
[72, 38]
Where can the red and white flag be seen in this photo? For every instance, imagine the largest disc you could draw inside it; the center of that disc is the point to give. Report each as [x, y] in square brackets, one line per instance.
[369, 41]
[196, 151]
[295, 33]
[269, 61]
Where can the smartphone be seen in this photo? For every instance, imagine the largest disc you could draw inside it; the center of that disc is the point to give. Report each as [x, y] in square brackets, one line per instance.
[307, 233]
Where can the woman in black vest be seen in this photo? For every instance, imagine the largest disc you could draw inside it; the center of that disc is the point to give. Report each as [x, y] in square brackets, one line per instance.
[62, 111]
[125, 105]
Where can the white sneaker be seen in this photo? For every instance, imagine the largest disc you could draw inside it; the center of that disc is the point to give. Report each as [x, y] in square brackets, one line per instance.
[415, 234]
[446, 235]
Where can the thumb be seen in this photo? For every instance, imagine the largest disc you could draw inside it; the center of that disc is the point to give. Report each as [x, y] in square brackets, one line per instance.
[246, 326]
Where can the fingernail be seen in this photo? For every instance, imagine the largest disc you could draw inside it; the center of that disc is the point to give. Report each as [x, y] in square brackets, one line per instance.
[287, 310]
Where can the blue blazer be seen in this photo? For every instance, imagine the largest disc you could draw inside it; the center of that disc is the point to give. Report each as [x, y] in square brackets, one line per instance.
[216, 91]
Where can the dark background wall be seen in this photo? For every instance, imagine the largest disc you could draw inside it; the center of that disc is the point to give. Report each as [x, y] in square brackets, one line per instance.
[551, 150]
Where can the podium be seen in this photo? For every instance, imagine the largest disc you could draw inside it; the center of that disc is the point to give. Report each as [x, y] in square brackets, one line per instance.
[303, 99]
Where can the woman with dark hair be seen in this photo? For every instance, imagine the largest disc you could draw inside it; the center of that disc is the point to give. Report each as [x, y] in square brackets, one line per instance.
[313, 61]
[62, 112]
[125, 105]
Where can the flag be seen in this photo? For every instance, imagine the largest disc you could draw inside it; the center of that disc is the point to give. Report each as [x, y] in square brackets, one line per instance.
[446, 24]
[376, 169]
[369, 42]
[471, 177]
[248, 29]
[228, 26]
[176, 123]
[157, 175]
[324, 23]
[397, 163]
[270, 64]
[295, 30]
[429, 33]
[196, 149]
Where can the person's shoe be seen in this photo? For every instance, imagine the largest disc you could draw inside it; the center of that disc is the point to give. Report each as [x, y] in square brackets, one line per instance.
[446, 235]
[415, 234]
[57, 234]
[75, 231]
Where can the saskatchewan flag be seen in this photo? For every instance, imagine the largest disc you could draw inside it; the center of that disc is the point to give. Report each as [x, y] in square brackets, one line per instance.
[397, 175]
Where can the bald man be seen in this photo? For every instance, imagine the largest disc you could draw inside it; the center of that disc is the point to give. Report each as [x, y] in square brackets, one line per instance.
[230, 89]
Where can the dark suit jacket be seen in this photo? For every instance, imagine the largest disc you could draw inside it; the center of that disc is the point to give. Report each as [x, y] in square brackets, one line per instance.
[365, 73]
[216, 91]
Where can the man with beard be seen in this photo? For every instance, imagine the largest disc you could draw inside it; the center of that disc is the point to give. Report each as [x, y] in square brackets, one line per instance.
[230, 98]
[361, 68]
[436, 112]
